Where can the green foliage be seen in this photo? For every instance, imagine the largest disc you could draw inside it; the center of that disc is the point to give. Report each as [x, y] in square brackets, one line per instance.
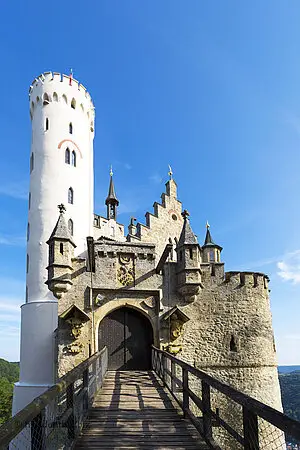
[290, 392]
[9, 374]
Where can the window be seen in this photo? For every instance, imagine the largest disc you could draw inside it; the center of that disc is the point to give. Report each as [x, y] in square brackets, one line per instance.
[70, 196]
[70, 227]
[32, 106]
[46, 99]
[92, 126]
[233, 346]
[37, 99]
[211, 255]
[51, 253]
[26, 295]
[191, 253]
[55, 97]
[29, 200]
[67, 156]
[70, 128]
[65, 99]
[27, 263]
[46, 124]
[73, 103]
[73, 158]
[61, 248]
[31, 162]
[28, 231]
[82, 107]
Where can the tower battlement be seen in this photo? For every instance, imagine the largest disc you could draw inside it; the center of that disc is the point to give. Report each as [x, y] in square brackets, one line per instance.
[55, 87]
[250, 279]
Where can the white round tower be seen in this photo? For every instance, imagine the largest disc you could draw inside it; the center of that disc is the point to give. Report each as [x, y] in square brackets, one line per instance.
[61, 171]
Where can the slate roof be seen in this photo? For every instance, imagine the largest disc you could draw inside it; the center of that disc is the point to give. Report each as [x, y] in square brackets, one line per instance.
[111, 198]
[61, 230]
[187, 236]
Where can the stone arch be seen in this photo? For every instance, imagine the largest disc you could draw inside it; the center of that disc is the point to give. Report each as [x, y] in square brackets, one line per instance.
[113, 305]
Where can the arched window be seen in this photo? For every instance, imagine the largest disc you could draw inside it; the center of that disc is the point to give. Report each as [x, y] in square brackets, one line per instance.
[212, 256]
[31, 162]
[32, 106]
[27, 263]
[70, 196]
[65, 99]
[70, 227]
[37, 99]
[55, 97]
[73, 103]
[46, 124]
[28, 231]
[73, 158]
[29, 200]
[46, 99]
[61, 248]
[82, 107]
[67, 156]
[70, 128]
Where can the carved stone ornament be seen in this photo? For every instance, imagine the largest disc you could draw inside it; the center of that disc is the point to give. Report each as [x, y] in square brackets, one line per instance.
[74, 348]
[99, 299]
[125, 272]
[150, 302]
[76, 326]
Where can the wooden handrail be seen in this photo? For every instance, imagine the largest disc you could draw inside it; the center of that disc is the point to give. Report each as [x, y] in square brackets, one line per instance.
[17, 423]
[271, 415]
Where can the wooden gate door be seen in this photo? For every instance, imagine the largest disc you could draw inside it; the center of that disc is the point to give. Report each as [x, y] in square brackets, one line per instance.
[128, 337]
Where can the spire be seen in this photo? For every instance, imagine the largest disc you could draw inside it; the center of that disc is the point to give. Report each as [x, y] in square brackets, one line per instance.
[111, 201]
[208, 239]
[187, 236]
[61, 230]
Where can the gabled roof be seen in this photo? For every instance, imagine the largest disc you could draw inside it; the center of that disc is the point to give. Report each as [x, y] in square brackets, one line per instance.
[61, 230]
[176, 311]
[74, 312]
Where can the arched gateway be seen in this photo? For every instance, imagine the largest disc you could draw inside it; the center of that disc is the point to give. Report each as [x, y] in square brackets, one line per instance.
[128, 336]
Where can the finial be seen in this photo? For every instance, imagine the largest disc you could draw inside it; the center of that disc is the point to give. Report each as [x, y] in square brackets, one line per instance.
[207, 225]
[111, 171]
[170, 173]
[185, 214]
[61, 208]
[132, 220]
[71, 77]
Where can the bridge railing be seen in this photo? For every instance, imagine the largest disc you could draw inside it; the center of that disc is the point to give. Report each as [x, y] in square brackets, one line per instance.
[225, 417]
[54, 419]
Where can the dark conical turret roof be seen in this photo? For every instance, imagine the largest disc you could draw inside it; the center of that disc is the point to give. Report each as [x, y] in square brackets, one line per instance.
[209, 241]
[187, 236]
[111, 198]
[61, 230]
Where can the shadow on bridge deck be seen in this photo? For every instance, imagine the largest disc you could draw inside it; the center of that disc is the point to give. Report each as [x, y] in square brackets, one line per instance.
[133, 410]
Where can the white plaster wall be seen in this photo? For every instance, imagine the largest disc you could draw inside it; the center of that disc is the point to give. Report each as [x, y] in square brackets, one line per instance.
[52, 177]
[37, 367]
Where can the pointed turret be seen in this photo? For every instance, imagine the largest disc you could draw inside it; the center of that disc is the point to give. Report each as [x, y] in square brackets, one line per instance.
[61, 252]
[188, 262]
[211, 250]
[111, 201]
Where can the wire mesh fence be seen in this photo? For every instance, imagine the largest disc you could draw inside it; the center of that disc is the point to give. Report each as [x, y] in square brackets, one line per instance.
[53, 420]
[226, 418]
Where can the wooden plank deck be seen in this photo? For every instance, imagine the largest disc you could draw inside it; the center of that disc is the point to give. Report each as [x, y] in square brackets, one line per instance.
[133, 410]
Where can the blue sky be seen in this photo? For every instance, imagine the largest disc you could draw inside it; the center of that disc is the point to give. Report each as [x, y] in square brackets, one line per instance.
[212, 88]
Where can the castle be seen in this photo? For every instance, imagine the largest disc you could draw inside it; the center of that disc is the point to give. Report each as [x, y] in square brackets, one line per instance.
[89, 284]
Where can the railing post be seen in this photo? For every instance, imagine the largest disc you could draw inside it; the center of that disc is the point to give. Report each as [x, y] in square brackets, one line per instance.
[173, 375]
[207, 421]
[38, 432]
[70, 404]
[85, 380]
[250, 424]
[185, 386]
[164, 368]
